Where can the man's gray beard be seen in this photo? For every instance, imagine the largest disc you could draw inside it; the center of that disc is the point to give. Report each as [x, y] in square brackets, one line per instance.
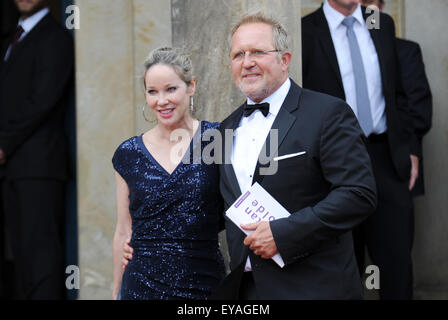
[257, 96]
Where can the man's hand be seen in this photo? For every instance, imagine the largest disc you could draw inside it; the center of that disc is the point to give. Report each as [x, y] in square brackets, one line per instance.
[2, 157]
[414, 171]
[127, 253]
[261, 241]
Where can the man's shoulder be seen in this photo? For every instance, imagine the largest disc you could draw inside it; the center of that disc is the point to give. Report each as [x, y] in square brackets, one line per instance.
[386, 18]
[311, 19]
[308, 94]
[409, 53]
[387, 24]
[406, 44]
[48, 32]
[321, 104]
[52, 37]
[54, 29]
[313, 15]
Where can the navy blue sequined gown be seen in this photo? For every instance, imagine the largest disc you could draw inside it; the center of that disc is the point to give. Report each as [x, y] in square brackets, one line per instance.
[175, 223]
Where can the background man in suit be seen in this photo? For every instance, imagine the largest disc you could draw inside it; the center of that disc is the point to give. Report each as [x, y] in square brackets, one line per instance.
[419, 98]
[417, 90]
[342, 57]
[35, 70]
[328, 190]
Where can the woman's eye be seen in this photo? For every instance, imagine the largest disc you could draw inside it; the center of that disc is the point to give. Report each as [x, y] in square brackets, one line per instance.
[171, 89]
[151, 92]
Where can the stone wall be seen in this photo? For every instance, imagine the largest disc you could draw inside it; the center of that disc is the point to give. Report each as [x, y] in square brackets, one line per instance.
[425, 23]
[105, 103]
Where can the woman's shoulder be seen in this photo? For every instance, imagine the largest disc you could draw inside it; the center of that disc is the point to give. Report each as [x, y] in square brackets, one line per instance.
[128, 144]
[127, 147]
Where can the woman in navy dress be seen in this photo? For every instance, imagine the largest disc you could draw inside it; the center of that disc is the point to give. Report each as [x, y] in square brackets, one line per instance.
[167, 195]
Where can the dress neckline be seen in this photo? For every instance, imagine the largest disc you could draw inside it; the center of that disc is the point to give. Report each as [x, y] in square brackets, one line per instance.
[181, 162]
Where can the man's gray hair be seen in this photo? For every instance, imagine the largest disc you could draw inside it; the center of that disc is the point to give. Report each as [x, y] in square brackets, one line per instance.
[280, 36]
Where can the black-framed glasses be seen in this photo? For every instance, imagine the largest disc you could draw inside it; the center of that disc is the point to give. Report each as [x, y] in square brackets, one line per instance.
[254, 54]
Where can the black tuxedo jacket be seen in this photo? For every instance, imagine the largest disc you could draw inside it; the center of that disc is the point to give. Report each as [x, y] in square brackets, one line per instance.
[321, 73]
[33, 87]
[328, 191]
[418, 95]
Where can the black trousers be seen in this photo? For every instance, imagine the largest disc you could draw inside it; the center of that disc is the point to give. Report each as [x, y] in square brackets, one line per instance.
[388, 233]
[248, 291]
[33, 216]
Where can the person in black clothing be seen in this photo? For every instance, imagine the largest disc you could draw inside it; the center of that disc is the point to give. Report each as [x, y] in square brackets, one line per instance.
[36, 68]
[344, 58]
[418, 92]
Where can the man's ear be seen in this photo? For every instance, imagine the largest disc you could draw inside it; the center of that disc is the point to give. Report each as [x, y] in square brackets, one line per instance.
[286, 60]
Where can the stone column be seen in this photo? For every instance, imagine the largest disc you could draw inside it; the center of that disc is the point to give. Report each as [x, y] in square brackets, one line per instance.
[104, 97]
[425, 24]
[152, 29]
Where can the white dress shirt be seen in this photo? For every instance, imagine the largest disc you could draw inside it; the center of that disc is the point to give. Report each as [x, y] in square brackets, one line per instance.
[28, 24]
[370, 61]
[249, 139]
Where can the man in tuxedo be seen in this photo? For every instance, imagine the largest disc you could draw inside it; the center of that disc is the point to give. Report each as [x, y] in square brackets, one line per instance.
[325, 181]
[35, 71]
[344, 58]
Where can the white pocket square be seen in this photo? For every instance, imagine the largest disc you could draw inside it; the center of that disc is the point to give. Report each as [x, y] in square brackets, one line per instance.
[286, 156]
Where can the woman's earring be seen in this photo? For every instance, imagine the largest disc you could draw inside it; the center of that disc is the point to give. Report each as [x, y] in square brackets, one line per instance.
[144, 116]
[191, 104]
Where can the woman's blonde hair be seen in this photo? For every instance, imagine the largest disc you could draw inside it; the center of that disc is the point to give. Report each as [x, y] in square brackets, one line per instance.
[172, 57]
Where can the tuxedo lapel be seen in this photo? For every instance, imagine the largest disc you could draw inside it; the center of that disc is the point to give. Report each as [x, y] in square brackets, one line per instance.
[326, 41]
[4, 46]
[282, 124]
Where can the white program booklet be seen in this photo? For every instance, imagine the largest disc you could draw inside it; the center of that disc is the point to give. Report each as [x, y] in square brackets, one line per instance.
[256, 205]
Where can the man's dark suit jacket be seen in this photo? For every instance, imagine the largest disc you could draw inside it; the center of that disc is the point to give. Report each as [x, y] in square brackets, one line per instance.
[321, 73]
[33, 84]
[418, 95]
[328, 191]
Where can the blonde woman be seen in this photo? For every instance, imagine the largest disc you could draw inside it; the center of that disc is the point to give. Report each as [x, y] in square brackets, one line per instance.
[172, 207]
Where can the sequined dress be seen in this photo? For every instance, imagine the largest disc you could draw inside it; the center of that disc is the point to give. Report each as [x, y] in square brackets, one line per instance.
[175, 222]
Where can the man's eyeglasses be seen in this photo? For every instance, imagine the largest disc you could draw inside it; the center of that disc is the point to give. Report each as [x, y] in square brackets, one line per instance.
[253, 54]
